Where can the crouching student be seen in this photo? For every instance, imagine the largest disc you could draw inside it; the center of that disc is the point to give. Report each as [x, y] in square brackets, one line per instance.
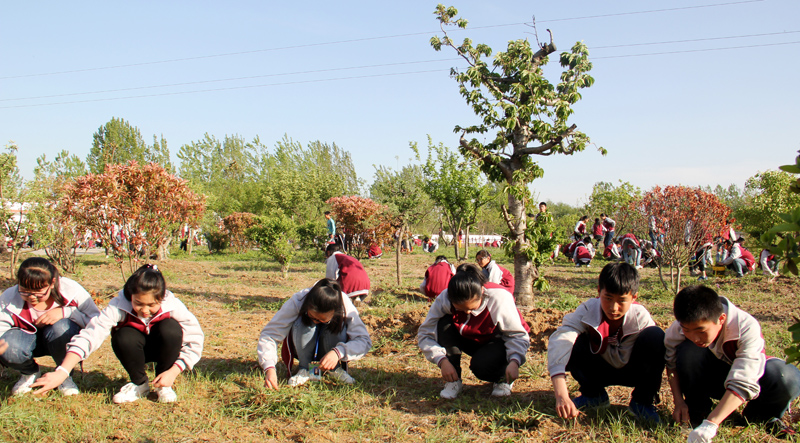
[608, 341]
[480, 319]
[349, 272]
[147, 323]
[493, 272]
[321, 328]
[38, 317]
[716, 351]
[437, 276]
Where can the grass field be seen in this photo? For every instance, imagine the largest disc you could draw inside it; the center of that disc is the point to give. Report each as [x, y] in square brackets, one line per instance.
[395, 397]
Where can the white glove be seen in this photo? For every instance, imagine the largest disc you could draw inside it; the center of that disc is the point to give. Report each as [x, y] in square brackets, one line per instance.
[703, 433]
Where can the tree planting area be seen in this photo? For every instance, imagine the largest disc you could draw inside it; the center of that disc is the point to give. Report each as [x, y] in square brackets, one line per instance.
[396, 394]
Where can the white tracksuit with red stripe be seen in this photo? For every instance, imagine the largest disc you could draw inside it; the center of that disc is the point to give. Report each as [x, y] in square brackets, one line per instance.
[119, 313]
[79, 307]
[497, 314]
[740, 344]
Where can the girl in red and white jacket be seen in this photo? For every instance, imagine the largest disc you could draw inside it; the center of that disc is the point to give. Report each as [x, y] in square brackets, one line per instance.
[147, 323]
[319, 326]
[480, 319]
[38, 317]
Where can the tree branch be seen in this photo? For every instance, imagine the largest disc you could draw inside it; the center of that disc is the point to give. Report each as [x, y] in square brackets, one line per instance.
[543, 149]
[507, 218]
[484, 158]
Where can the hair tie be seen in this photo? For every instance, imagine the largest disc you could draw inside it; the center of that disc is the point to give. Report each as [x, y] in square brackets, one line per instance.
[153, 267]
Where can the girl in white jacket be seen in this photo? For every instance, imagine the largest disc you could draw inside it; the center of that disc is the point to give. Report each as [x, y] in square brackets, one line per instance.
[147, 323]
[38, 317]
[322, 329]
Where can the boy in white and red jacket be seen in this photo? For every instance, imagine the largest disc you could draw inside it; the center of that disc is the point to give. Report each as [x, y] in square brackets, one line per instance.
[437, 276]
[348, 271]
[493, 272]
[608, 341]
[716, 350]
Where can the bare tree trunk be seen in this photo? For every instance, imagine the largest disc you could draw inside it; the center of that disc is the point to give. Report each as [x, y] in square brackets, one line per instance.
[466, 244]
[525, 273]
[397, 254]
[190, 240]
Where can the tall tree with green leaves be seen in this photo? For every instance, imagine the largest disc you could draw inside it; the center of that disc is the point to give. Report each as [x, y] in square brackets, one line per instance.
[226, 171]
[118, 142]
[529, 117]
[12, 205]
[56, 231]
[767, 196]
[457, 187]
[402, 192]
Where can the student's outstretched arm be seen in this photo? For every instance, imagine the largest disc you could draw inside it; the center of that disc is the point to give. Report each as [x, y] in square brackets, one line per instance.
[564, 405]
[53, 379]
[681, 412]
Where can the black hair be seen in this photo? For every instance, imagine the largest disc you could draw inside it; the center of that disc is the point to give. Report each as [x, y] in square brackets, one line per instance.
[619, 278]
[597, 220]
[483, 253]
[333, 247]
[587, 239]
[147, 279]
[542, 203]
[466, 284]
[36, 272]
[440, 258]
[697, 303]
[585, 217]
[327, 213]
[325, 296]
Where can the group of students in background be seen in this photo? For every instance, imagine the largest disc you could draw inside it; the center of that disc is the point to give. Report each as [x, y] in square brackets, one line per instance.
[713, 349]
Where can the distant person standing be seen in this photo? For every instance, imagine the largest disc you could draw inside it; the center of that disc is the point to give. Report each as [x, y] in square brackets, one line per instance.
[609, 224]
[331, 227]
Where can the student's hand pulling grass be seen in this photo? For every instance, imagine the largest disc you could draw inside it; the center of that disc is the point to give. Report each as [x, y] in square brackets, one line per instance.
[329, 361]
[167, 378]
[512, 371]
[448, 371]
[3, 346]
[271, 379]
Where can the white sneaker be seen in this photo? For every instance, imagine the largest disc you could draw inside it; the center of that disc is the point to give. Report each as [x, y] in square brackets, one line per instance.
[166, 395]
[451, 390]
[502, 389]
[132, 392]
[341, 375]
[68, 387]
[302, 377]
[23, 385]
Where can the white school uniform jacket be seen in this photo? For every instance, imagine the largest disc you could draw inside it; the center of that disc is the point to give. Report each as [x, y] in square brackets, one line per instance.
[588, 318]
[497, 315]
[119, 313]
[739, 344]
[357, 345]
[14, 312]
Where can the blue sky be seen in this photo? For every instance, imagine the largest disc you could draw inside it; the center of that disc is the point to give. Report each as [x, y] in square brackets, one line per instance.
[689, 113]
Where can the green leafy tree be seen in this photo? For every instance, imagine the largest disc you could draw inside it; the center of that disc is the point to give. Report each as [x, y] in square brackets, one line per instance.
[529, 117]
[118, 142]
[456, 187]
[299, 180]
[277, 237]
[607, 198]
[225, 171]
[768, 195]
[403, 194]
[56, 231]
[12, 198]
[783, 240]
